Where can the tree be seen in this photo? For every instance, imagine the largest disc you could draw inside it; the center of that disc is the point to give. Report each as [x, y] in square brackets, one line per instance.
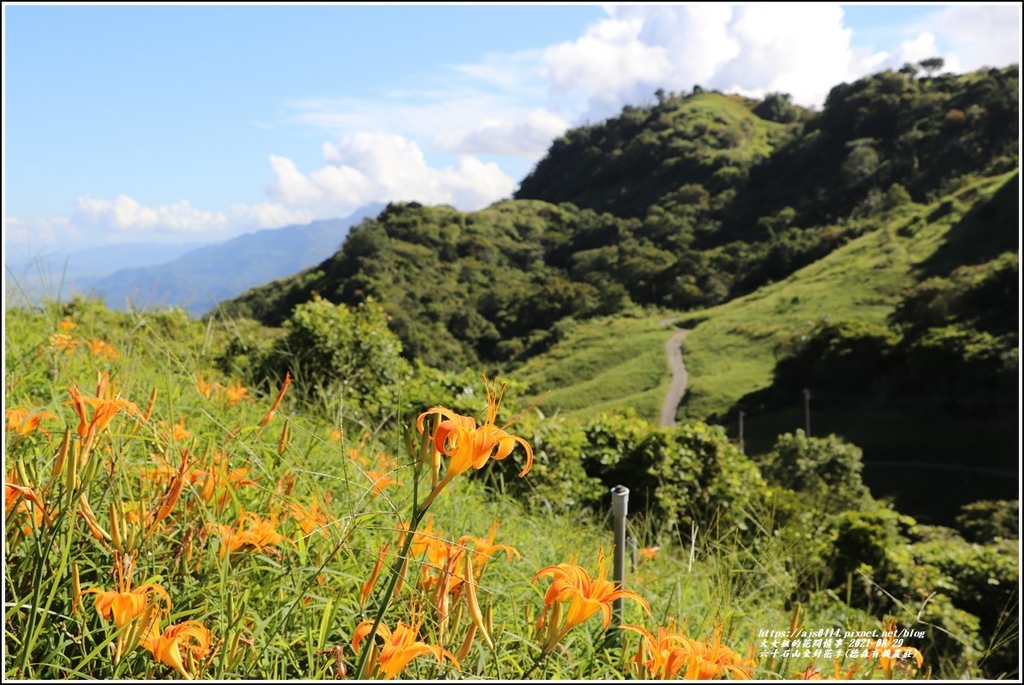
[909, 69]
[778, 107]
[932, 64]
[332, 347]
[826, 470]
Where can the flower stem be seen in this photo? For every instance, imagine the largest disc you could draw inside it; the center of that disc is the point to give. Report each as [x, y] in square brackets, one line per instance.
[418, 512]
[536, 662]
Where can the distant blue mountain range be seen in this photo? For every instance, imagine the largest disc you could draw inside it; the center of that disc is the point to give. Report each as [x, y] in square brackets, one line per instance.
[193, 277]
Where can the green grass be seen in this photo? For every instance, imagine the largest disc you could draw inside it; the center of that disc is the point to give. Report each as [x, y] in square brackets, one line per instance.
[284, 608]
[731, 352]
[271, 610]
[603, 364]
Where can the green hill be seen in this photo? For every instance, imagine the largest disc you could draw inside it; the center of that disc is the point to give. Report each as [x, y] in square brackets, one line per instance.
[686, 204]
[821, 250]
[274, 487]
[732, 352]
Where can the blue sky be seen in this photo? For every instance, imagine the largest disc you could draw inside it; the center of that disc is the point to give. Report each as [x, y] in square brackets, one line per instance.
[184, 123]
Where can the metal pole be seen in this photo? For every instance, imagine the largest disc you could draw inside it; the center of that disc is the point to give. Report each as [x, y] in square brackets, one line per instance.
[620, 509]
[742, 414]
[807, 411]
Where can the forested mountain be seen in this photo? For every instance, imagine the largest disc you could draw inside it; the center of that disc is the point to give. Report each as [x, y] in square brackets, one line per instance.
[684, 204]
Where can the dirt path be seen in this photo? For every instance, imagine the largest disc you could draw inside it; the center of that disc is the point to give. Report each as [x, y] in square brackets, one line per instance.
[680, 378]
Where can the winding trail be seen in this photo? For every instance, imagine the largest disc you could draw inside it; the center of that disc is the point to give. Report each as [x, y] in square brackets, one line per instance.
[680, 378]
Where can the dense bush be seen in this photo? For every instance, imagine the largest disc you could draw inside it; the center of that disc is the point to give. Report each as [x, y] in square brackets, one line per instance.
[986, 521]
[334, 351]
[826, 472]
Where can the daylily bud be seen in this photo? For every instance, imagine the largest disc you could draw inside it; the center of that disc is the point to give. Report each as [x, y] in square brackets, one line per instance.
[85, 511]
[115, 529]
[71, 480]
[285, 438]
[62, 456]
[474, 605]
[467, 643]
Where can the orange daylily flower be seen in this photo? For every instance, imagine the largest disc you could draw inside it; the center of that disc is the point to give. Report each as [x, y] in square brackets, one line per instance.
[312, 519]
[170, 498]
[66, 324]
[485, 548]
[190, 637]
[106, 405]
[660, 657]
[367, 588]
[468, 445]
[713, 659]
[218, 482]
[101, 348]
[63, 342]
[125, 603]
[427, 540]
[236, 392]
[811, 673]
[396, 649]
[252, 533]
[889, 654]
[585, 595]
[380, 481]
[22, 422]
[204, 386]
[178, 432]
[18, 497]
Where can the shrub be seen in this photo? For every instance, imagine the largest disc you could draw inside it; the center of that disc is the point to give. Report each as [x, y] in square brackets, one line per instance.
[986, 520]
[827, 471]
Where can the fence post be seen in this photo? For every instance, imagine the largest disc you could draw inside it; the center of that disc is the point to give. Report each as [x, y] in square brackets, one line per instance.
[620, 509]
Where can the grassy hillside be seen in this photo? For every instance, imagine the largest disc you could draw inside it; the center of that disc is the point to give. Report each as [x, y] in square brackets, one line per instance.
[732, 351]
[162, 520]
[603, 364]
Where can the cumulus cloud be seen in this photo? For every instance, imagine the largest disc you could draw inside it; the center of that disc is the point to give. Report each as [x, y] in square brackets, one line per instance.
[125, 220]
[802, 50]
[980, 35]
[459, 120]
[268, 215]
[126, 215]
[608, 61]
[754, 49]
[528, 137]
[913, 50]
[381, 167]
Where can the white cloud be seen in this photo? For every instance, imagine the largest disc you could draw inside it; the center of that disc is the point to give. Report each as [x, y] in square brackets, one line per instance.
[381, 167]
[528, 137]
[124, 220]
[980, 35]
[754, 49]
[268, 215]
[516, 71]
[291, 185]
[913, 50]
[124, 214]
[802, 49]
[40, 233]
[608, 61]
